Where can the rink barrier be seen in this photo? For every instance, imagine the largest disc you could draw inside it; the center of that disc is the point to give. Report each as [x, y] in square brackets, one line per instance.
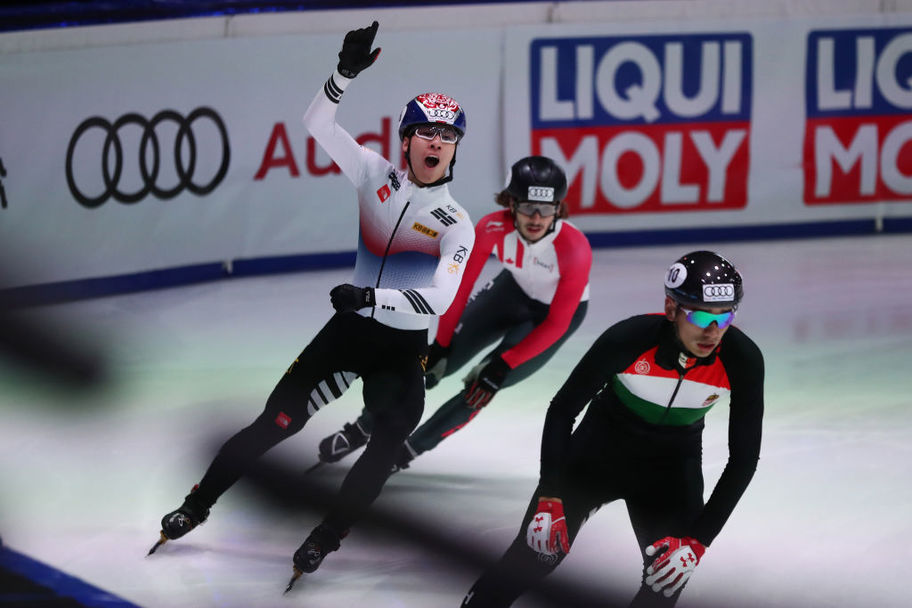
[743, 155]
[84, 289]
[716, 234]
[50, 587]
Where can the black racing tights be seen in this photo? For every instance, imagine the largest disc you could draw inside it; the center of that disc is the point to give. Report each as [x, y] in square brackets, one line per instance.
[389, 363]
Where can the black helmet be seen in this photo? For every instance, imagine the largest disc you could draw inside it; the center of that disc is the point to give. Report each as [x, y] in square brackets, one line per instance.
[537, 179]
[704, 278]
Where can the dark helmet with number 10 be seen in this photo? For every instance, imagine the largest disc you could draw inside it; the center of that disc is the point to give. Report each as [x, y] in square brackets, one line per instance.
[704, 279]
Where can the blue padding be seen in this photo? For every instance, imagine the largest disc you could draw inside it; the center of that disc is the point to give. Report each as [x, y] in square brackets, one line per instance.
[292, 263]
[81, 289]
[60, 583]
[763, 232]
[897, 224]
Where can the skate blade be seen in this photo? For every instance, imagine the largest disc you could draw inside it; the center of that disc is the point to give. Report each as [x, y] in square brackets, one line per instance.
[161, 541]
[294, 577]
[313, 468]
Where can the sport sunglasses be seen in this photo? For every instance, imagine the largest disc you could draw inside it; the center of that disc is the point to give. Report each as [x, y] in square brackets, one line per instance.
[703, 319]
[544, 209]
[448, 135]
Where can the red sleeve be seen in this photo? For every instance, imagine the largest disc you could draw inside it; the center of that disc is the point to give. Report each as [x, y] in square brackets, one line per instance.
[489, 231]
[574, 259]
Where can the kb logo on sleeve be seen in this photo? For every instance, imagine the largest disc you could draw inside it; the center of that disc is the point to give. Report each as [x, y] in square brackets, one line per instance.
[166, 155]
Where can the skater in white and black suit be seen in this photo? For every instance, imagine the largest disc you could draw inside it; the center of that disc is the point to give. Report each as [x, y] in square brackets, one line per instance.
[414, 241]
[648, 382]
[527, 311]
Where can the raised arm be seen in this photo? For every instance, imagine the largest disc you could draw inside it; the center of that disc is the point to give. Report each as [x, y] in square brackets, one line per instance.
[320, 117]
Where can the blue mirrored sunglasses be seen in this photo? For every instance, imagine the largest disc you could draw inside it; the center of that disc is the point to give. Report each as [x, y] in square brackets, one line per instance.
[544, 209]
[703, 319]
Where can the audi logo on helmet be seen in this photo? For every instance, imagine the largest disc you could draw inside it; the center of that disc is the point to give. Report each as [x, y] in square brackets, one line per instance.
[186, 158]
[722, 292]
[432, 108]
[540, 194]
[446, 115]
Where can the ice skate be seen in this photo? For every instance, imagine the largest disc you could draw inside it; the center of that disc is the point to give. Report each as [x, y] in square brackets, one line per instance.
[342, 443]
[180, 521]
[322, 541]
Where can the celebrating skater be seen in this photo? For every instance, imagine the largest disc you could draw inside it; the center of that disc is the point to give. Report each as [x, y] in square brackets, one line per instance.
[414, 240]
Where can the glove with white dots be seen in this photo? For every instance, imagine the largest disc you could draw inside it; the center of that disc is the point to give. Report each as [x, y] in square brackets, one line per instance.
[547, 532]
[677, 558]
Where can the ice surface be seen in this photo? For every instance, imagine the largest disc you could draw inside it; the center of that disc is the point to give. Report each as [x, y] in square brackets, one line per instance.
[86, 478]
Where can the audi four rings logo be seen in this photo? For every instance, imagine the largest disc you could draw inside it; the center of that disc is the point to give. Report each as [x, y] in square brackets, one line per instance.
[722, 292]
[541, 193]
[440, 113]
[112, 156]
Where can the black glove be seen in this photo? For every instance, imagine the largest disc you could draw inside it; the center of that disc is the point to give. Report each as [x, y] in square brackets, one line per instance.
[347, 297]
[484, 380]
[356, 54]
[436, 364]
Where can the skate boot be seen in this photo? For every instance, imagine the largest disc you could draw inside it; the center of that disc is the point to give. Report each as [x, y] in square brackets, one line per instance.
[187, 516]
[342, 443]
[322, 541]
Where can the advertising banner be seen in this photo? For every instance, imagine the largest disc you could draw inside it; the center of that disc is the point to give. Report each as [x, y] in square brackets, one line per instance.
[650, 123]
[858, 136]
[707, 125]
[123, 159]
[129, 158]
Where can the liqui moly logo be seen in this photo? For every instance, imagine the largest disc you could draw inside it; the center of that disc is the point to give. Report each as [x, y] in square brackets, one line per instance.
[858, 135]
[645, 124]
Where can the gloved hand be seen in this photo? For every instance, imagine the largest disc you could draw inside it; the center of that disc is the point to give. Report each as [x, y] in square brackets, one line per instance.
[547, 532]
[436, 364]
[356, 54]
[347, 297]
[675, 564]
[484, 380]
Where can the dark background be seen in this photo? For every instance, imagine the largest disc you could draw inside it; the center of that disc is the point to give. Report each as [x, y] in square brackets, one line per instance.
[50, 13]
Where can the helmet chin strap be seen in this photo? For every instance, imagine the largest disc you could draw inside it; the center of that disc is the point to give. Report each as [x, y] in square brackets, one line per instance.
[421, 184]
